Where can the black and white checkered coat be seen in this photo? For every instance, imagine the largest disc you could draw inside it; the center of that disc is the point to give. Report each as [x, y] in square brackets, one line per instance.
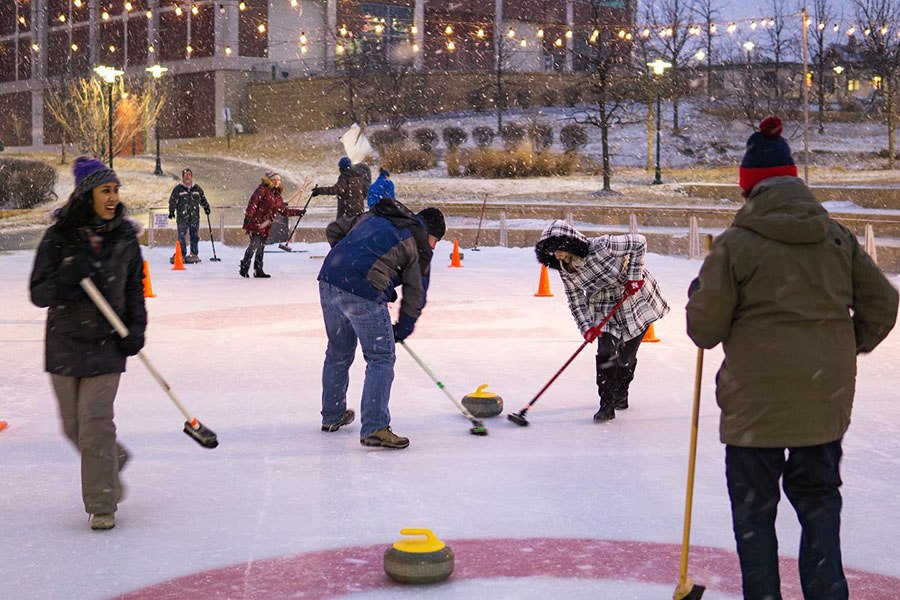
[597, 282]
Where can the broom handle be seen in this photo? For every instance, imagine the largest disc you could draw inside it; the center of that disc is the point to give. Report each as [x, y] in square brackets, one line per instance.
[425, 368]
[480, 219]
[88, 286]
[692, 463]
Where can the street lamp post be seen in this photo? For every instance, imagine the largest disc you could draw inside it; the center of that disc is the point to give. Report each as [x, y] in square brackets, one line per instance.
[838, 69]
[157, 71]
[658, 67]
[749, 46]
[109, 75]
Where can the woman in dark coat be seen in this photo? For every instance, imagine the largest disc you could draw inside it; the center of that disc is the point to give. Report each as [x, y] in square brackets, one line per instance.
[84, 355]
[265, 202]
[596, 274]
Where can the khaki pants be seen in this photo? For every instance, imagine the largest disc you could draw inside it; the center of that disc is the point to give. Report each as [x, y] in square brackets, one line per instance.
[86, 409]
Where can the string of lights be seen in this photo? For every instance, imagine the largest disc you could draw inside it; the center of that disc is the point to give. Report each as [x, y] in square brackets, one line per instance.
[481, 30]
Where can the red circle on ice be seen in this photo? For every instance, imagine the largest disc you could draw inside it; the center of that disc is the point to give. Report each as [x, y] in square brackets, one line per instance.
[340, 571]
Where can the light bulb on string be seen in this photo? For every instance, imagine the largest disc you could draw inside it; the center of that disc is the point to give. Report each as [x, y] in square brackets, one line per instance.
[261, 28]
[732, 27]
[568, 34]
[523, 43]
[74, 47]
[339, 49]
[558, 43]
[104, 15]
[35, 47]
[540, 33]
[646, 32]
[227, 50]
[451, 46]
[77, 3]
[379, 28]
[129, 6]
[415, 47]
[194, 10]
[414, 29]
[303, 37]
[448, 30]
[480, 33]
[883, 30]
[837, 27]
[851, 31]
[621, 34]
[242, 6]
[304, 49]
[511, 33]
[294, 3]
[178, 11]
[149, 14]
[189, 49]
[712, 28]
[752, 24]
[821, 26]
[628, 37]
[343, 31]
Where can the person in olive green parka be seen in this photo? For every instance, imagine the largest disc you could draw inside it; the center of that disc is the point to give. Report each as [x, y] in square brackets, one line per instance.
[793, 299]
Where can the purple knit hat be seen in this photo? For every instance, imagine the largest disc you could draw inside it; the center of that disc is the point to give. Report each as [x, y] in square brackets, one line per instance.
[89, 173]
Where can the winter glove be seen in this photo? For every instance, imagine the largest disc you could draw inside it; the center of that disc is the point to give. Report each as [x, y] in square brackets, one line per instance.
[592, 334]
[315, 192]
[206, 209]
[171, 215]
[75, 268]
[404, 326]
[131, 344]
[633, 287]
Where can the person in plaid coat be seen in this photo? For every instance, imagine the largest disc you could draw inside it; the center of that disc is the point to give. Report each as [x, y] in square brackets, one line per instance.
[596, 274]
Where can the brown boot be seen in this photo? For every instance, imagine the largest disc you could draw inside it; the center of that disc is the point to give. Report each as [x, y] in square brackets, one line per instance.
[386, 439]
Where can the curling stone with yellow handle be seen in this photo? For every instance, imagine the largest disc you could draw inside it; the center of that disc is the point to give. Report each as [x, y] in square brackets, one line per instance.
[418, 560]
[482, 403]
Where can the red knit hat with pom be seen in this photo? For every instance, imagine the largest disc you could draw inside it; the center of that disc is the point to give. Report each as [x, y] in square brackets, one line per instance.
[768, 155]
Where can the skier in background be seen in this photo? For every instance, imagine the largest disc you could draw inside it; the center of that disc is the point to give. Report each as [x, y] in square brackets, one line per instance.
[185, 201]
[793, 299]
[596, 274]
[83, 354]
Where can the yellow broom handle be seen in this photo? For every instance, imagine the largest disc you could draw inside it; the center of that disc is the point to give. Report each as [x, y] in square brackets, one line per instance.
[692, 462]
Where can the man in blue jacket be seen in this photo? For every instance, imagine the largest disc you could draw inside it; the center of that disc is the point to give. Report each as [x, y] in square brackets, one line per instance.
[371, 255]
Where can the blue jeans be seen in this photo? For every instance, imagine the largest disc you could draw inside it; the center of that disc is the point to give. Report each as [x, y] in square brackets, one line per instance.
[811, 481]
[349, 317]
[183, 228]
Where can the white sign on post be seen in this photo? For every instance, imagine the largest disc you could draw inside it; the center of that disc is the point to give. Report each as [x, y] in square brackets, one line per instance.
[160, 221]
[226, 114]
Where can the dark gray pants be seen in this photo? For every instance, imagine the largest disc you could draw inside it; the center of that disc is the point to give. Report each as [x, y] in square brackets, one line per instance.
[257, 246]
[86, 409]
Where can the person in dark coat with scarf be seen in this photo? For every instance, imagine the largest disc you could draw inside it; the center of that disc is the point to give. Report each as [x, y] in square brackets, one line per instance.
[793, 300]
[265, 202]
[596, 274]
[351, 189]
[371, 255]
[83, 354]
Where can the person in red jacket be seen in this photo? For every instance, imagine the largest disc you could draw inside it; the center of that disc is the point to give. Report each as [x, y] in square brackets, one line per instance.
[265, 202]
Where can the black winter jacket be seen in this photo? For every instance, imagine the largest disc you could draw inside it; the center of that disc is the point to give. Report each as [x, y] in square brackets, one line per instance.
[351, 189]
[185, 203]
[80, 342]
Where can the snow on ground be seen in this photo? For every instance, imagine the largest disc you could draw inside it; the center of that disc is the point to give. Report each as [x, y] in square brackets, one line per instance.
[245, 355]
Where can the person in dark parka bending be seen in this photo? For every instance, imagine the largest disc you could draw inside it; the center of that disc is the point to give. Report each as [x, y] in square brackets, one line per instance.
[83, 353]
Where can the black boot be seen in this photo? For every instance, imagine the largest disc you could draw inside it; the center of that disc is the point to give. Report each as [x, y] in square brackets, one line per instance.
[258, 272]
[624, 375]
[245, 269]
[605, 382]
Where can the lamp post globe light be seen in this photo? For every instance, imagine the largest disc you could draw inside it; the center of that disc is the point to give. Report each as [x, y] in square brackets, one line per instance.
[109, 74]
[658, 68]
[749, 46]
[157, 71]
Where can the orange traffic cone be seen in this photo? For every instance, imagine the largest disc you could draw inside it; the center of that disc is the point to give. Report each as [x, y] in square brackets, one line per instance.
[454, 258]
[650, 336]
[179, 260]
[148, 287]
[544, 284]
[3, 425]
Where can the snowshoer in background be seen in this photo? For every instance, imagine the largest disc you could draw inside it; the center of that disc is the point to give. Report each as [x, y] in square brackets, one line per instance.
[793, 299]
[83, 354]
[185, 202]
[351, 189]
[596, 274]
[370, 256]
[382, 188]
[265, 202]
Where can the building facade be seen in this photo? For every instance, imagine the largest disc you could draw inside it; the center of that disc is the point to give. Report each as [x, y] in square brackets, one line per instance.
[212, 48]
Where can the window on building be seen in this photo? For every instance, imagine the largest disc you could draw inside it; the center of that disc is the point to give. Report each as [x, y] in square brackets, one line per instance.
[203, 31]
[253, 29]
[7, 18]
[172, 36]
[853, 85]
[387, 35]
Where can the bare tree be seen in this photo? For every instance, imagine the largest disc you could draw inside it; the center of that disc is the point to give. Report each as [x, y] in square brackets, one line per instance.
[707, 12]
[674, 40]
[81, 108]
[780, 43]
[397, 95]
[352, 71]
[880, 51]
[606, 58]
[823, 13]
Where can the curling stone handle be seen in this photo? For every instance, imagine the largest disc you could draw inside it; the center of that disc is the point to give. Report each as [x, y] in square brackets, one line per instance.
[481, 388]
[426, 532]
